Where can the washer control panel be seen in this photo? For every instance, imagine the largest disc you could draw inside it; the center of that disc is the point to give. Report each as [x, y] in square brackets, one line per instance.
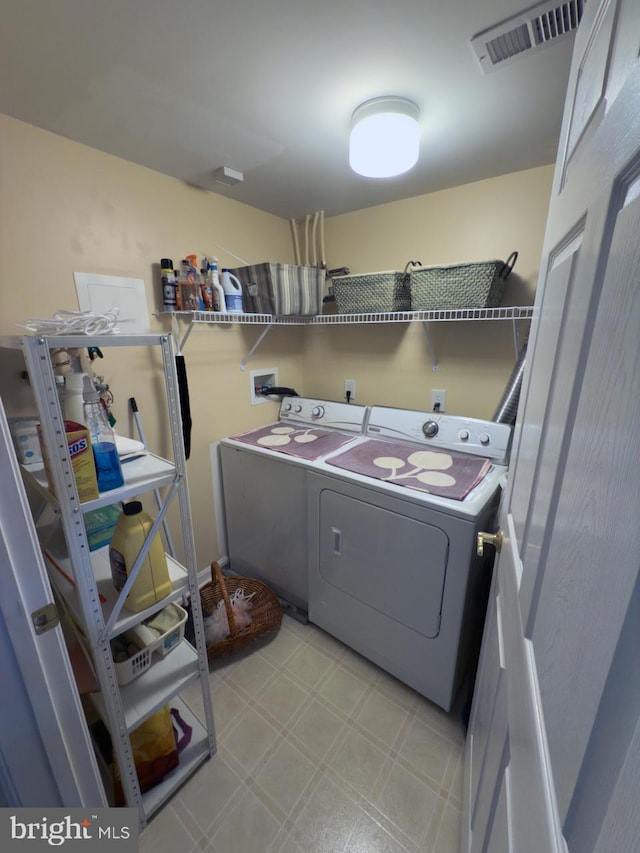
[324, 413]
[443, 432]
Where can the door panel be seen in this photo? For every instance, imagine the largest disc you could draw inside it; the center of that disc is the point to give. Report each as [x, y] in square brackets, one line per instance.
[589, 573]
[486, 696]
[560, 282]
[500, 837]
[534, 820]
[591, 77]
[570, 598]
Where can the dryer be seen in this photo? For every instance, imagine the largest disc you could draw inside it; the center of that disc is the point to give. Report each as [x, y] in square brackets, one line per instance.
[264, 490]
[393, 518]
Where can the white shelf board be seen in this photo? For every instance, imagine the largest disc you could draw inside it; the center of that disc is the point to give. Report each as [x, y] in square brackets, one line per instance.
[143, 474]
[166, 677]
[63, 573]
[507, 312]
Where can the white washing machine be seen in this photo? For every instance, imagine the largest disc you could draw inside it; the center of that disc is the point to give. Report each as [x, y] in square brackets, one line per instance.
[264, 491]
[393, 517]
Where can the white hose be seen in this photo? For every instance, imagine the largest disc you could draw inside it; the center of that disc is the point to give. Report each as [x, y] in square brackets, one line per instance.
[323, 257]
[296, 247]
[314, 239]
[306, 238]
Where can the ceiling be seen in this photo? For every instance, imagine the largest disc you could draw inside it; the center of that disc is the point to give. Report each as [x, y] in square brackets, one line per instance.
[268, 88]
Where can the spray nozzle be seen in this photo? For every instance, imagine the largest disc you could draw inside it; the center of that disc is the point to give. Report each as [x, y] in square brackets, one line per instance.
[89, 392]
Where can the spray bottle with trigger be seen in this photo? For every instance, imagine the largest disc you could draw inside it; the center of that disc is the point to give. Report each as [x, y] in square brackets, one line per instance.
[216, 287]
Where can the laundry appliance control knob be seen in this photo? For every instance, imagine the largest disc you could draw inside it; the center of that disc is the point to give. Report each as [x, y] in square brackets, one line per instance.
[430, 429]
[298, 409]
[463, 435]
[287, 408]
[317, 411]
[484, 438]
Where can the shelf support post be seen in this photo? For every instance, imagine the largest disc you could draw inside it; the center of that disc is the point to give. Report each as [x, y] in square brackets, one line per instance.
[263, 334]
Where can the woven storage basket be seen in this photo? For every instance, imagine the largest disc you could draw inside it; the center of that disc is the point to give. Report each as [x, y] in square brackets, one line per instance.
[372, 293]
[476, 285]
[281, 289]
[266, 610]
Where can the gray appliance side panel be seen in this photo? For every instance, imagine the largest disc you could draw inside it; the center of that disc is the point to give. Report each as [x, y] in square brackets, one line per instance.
[266, 519]
[432, 666]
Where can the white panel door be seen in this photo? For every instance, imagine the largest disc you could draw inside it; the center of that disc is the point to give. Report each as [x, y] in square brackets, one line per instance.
[554, 745]
[46, 757]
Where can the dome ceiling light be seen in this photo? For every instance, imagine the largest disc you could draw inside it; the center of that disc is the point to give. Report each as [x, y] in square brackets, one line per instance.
[385, 137]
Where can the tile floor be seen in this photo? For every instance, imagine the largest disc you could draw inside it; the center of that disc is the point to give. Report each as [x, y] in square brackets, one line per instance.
[318, 751]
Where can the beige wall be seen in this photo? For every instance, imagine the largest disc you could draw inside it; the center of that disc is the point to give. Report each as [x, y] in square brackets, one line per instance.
[391, 363]
[65, 207]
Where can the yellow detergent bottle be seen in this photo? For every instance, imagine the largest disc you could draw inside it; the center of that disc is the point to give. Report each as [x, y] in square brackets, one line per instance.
[152, 582]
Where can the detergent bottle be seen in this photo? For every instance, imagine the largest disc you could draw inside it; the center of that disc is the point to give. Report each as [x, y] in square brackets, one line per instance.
[232, 293]
[152, 582]
[216, 287]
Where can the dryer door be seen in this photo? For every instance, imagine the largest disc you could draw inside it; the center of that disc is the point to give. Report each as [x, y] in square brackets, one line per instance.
[390, 562]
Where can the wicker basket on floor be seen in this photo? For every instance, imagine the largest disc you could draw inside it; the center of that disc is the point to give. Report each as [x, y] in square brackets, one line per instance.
[266, 610]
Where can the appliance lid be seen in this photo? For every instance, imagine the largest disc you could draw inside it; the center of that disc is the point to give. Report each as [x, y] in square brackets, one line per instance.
[304, 442]
[438, 472]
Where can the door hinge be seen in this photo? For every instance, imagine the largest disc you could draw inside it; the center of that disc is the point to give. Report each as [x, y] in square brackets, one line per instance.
[45, 618]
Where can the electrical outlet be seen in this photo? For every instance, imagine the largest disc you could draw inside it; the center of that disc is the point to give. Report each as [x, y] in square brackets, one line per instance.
[438, 399]
[350, 386]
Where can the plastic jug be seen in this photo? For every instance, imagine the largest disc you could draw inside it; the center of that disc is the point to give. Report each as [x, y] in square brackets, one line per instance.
[73, 399]
[232, 293]
[152, 582]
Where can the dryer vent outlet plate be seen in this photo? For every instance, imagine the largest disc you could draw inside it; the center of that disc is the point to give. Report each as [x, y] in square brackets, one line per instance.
[259, 378]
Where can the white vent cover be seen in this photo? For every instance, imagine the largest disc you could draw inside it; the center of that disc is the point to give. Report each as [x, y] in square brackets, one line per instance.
[533, 29]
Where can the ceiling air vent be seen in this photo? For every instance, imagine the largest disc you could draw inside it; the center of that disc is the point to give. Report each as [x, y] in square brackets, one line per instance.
[533, 29]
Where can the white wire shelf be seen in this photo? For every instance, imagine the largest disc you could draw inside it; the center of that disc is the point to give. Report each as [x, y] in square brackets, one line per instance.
[515, 312]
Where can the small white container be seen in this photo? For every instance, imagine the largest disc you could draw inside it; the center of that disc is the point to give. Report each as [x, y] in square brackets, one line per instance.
[24, 432]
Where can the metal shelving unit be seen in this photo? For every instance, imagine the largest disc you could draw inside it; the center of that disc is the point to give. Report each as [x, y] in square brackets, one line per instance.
[514, 313]
[82, 578]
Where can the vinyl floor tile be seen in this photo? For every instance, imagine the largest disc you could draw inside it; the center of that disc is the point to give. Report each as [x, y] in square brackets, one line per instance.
[318, 750]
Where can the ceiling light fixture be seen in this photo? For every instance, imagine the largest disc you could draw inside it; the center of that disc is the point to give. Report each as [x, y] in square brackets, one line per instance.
[385, 137]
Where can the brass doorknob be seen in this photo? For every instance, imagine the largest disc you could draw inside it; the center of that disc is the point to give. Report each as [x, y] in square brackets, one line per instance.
[483, 539]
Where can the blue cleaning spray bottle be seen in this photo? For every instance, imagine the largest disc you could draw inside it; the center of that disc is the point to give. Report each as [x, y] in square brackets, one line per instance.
[103, 440]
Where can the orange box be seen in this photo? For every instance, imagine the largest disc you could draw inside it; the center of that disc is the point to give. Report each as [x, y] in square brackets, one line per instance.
[82, 462]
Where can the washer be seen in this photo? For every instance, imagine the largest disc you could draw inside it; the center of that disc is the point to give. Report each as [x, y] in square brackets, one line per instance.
[264, 491]
[393, 570]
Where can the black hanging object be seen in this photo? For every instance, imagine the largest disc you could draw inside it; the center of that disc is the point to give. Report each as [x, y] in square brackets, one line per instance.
[185, 408]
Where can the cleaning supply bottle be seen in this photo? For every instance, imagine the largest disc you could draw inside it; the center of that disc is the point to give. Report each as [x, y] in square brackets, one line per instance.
[103, 441]
[73, 399]
[232, 293]
[216, 287]
[152, 582]
[169, 285]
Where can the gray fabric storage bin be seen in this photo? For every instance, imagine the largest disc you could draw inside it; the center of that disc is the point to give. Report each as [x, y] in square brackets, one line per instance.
[272, 288]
